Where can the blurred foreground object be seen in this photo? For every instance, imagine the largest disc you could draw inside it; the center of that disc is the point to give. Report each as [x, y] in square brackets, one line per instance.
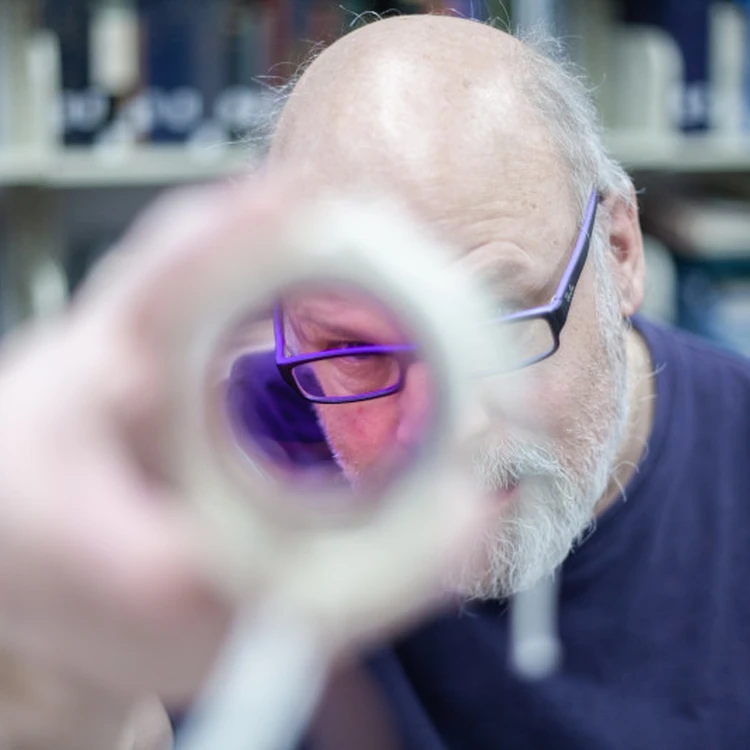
[158, 530]
[354, 303]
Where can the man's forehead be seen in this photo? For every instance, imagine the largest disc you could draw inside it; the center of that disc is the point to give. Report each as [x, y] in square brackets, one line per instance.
[507, 272]
[516, 243]
[328, 304]
[430, 157]
[423, 101]
[519, 216]
[466, 153]
[471, 192]
[346, 314]
[313, 301]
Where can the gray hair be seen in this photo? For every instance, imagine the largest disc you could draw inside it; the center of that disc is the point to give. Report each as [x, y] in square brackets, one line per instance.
[562, 97]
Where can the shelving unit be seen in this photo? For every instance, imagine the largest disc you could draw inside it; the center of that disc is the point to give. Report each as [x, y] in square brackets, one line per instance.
[39, 180]
[33, 183]
[681, 154]
[140, 166]
[172, 165]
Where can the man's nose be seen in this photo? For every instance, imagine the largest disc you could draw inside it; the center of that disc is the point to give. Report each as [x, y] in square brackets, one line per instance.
[418, 403]
[488, 414]
[474, 423]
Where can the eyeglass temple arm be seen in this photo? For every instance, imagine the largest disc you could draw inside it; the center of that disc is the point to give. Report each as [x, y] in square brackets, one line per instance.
[564, 294]
[278, 333]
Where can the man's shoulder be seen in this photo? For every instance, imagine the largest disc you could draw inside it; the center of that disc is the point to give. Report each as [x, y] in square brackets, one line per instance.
[690, 354]
[703, 391]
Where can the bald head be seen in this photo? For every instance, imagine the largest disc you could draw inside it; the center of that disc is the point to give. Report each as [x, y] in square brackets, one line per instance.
[423, 103]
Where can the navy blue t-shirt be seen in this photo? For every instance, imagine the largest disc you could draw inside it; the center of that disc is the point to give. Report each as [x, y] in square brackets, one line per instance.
[654, 606]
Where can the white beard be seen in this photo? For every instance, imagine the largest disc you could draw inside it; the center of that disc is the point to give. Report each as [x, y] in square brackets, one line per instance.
[557, 495]
[554, 505]
[551, 510]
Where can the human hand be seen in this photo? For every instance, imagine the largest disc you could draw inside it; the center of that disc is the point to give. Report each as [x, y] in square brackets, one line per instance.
[41, 708]
[101, 575]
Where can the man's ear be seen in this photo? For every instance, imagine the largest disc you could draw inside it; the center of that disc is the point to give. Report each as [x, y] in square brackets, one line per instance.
[628, 261]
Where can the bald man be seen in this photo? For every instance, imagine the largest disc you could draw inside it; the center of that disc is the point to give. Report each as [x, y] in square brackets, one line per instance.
[465, 124]
[498, 148]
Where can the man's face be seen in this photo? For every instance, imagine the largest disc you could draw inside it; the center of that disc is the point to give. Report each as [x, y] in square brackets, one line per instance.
[477, 167]
[545, 467]
[371, 439]
[557, 453]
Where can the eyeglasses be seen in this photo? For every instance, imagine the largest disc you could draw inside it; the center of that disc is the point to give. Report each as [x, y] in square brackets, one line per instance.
[343, 375]
[366, 372]
[535, 333]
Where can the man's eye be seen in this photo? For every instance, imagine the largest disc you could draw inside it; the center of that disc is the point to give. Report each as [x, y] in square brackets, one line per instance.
[355, 344]
[351, 345]
[511, 307]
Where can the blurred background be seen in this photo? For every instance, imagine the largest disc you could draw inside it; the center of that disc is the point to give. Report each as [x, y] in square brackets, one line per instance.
[104, 103]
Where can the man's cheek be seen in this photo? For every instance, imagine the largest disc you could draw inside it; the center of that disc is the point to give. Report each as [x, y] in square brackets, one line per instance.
[539, 403]
[360, 432]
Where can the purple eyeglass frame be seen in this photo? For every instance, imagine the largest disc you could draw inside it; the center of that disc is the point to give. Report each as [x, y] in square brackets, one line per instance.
[404, 353]
[554, 313]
